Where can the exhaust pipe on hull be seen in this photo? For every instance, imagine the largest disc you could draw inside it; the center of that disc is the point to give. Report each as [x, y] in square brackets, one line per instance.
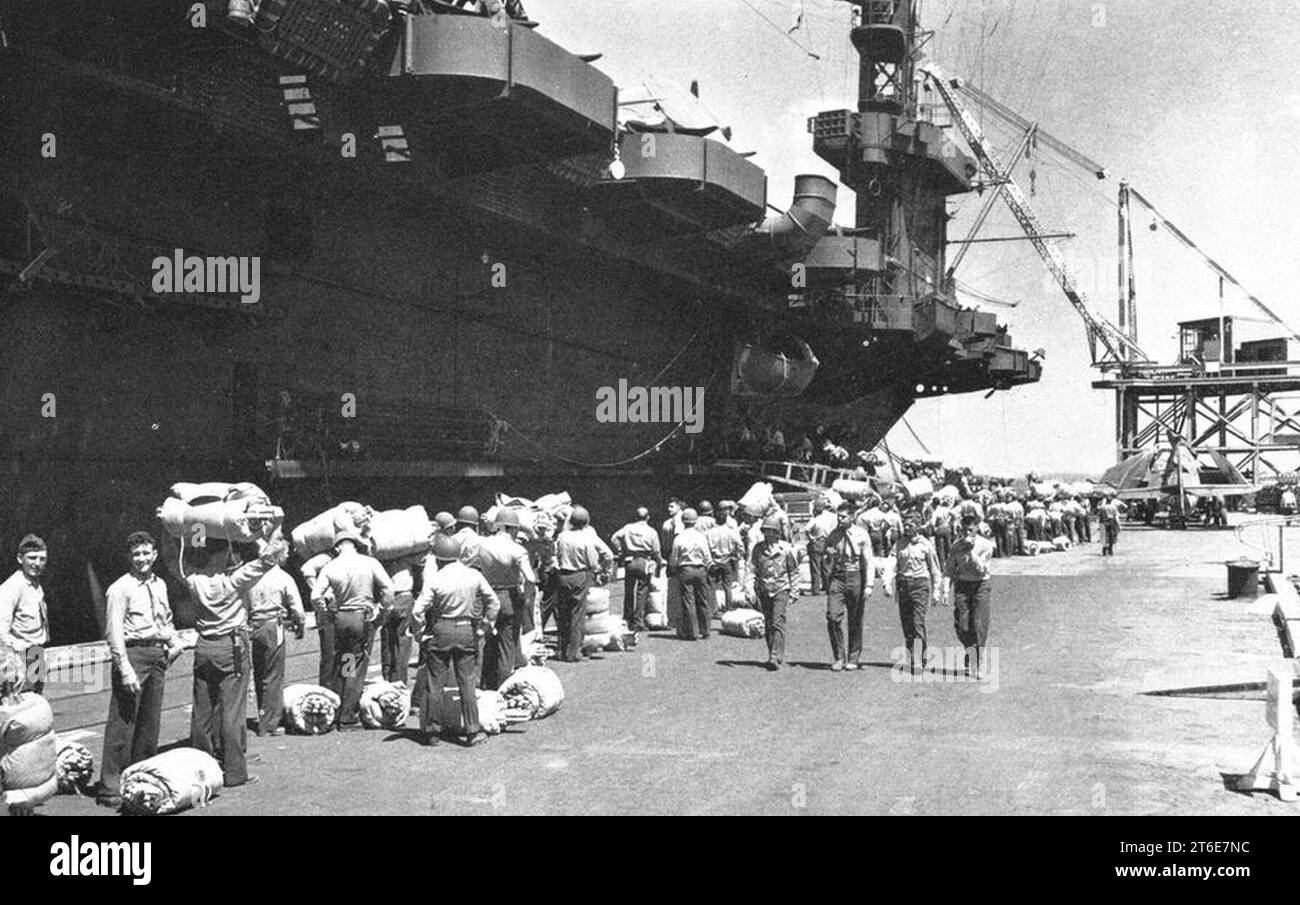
[791, 235]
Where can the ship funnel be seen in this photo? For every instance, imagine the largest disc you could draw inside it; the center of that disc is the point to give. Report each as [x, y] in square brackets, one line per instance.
[791, 235]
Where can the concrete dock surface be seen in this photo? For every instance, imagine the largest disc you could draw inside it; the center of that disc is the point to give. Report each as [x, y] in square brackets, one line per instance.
[1062, 726]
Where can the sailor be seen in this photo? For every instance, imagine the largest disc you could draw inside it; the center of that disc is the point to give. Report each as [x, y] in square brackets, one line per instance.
[727, 550]
[848, 565]
[24, 622]
[1016, 516]
[776, 576]
[142, 643]
[879, 521]
[456, 608]
[541, 553]
[467, 533]
[358, 592]
[1035, 521]
[1108, 514]
[689, 563]
[324, 623]
[504, 563]
[444, 523]
[969, 508]
[706, 519]
[998, 521]
[822, 524]
[581, 558]
[968, 567]
[920, 579]
[395, 637]
[1057, 522]
[942, 519]
[636, 545]
[222, 653]
[272, 603]
[672, 526]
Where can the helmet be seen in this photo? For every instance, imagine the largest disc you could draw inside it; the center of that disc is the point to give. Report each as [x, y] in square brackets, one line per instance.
[689, 517]
[773, 523]
[727, 505]
[444, 520]
[352, 535]
[446, 547]
[706, 508]
[579, 517]
[507, 518]
[467, 515]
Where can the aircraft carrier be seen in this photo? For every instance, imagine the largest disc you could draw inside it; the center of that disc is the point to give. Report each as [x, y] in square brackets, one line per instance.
[461, 237]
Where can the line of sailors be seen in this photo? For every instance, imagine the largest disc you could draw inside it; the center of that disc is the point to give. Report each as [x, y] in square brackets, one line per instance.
[851, 551]
[467, 600]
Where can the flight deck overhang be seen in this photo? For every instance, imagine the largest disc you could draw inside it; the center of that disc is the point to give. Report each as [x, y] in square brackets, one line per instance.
[480, 96]
[677, 183]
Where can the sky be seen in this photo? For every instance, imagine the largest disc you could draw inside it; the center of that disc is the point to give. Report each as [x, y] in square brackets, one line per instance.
[1195, 102]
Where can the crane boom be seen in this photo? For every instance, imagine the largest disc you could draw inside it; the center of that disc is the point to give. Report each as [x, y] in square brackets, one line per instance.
[1046, 138]
[1213, 264]
[1087, 163]
[1119, 347]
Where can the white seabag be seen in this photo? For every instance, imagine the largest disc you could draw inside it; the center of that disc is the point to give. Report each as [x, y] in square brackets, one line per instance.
[310, 709]
[172, 781]
[534, 691]
[385, 705]
[744, 623]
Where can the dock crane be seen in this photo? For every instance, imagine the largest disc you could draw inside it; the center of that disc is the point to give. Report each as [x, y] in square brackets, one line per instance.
[950, 88]
[1117, 347]
[1250, 406]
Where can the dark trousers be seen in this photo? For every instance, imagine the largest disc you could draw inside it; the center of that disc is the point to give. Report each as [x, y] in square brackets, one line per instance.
[817, 575]
[636, 591]
[268, 675]
[942, 545]
[697, 608]
[450, 647]
[844, 599]
[913, 601]
[549, 588]
[131, 734]
[34, 659]
[325, 629]
[774, 606]
[1034, 530]
[1085, 525]
[217, 727]
[571, 613]
[353, 638]
[1017, 540]
[971, 618]
[723, 576]
[526, 621]
[1112, 535]
[1000, 544]
[395, 639]
[501, 652]
[1067, 527]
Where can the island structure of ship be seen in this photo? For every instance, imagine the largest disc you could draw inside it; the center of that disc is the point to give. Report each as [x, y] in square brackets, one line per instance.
[401, 252]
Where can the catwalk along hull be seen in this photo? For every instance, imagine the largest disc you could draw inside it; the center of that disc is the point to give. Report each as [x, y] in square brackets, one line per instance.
[437, 316]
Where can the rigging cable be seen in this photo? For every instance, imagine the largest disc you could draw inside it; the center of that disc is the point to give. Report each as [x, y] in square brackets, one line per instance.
[785, 34]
